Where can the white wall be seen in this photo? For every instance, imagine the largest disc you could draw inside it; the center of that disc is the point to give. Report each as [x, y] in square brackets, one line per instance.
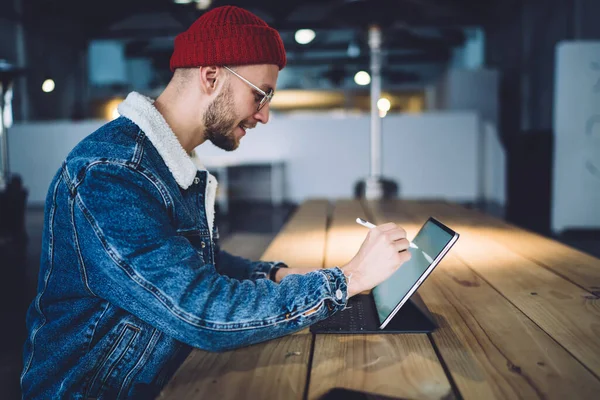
[493, 177]
[37, 149]
[471, 90]
[477, 90]
[576, 181]
[432, 155]
[429, 155]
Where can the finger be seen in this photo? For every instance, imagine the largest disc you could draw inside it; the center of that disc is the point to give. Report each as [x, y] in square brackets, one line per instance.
[401, 245]
[402, 257]
[399, 259]
[396, 234]
[386, 227]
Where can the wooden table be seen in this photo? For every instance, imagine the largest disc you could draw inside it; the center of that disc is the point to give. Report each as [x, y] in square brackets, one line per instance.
[518, 317]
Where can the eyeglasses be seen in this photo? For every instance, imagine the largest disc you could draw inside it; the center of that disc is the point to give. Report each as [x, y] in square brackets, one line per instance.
[266, 96]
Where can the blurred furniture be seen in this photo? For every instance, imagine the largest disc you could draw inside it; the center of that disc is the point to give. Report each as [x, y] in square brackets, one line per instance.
[12, 193]
[13, 199]
[529, 180]
[388, 186]
[221, 165]
[576, 136]
[13, 237]
[517, 313]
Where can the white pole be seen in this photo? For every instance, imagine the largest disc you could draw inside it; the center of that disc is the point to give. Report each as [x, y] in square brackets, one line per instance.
[373, 187]
[4, 172]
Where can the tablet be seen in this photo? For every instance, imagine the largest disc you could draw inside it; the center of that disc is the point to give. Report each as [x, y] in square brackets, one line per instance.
[434, 240]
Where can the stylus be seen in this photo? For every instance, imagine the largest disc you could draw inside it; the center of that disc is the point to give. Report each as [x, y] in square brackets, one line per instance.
[369, 225]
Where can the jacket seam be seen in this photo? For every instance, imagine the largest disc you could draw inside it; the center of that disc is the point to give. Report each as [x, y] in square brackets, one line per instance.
[130, 344]
[83, 273]
[38, 300]
[165, 300]
[194, 232]
[67, 178]
[105, 359]
[97, 323]
[210, 223]
[325, 274]
[166, 198]
[126, 268]
[144, 356]
[129, 271]
[280, 319]
[179, 313]
[138, 152]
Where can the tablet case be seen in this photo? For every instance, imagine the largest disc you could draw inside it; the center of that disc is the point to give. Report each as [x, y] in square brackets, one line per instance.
[360, 316]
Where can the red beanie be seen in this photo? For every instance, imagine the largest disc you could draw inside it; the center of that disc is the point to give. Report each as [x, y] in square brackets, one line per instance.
[228, 36]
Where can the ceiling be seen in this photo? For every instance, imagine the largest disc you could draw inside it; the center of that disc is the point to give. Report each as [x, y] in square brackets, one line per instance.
[282, 14]
[415, 32]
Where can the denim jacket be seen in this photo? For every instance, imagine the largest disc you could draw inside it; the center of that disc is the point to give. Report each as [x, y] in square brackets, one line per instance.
[132, 276]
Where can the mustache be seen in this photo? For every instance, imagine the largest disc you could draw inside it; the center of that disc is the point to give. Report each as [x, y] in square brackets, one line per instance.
[248, 125]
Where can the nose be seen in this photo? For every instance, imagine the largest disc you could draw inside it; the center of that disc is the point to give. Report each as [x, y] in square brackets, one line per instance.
[263, 114]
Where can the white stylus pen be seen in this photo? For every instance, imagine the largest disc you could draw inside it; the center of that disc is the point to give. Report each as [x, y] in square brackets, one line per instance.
[369, 225]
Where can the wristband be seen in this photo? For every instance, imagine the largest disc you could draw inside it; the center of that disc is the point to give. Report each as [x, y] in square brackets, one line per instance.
[273, 272]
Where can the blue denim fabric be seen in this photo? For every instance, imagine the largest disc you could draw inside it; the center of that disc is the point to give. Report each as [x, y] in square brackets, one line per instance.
[131, 278]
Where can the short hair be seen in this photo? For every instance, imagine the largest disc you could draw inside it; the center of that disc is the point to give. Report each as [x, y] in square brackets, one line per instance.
[183, 76]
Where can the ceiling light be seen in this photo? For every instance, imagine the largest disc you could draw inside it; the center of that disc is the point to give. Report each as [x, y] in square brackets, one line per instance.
[203, 4]
[48, 85]
[384, 104]
[362, 78]
[182, 1]
[304, 36]
[110, 109]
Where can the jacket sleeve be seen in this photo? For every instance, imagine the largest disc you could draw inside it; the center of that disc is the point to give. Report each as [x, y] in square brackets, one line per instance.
[242, 268]
[132, 256]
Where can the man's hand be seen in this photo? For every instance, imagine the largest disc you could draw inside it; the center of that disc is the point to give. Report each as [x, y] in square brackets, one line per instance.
[283, 272]
[383, 251]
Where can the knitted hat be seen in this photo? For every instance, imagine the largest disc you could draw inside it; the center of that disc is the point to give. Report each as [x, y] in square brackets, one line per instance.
[228, 35]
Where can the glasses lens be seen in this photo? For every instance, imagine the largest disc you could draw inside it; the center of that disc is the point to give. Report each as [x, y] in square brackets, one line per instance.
[266, 99]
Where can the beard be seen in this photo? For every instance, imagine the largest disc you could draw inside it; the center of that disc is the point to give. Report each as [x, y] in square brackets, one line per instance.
[220, 122]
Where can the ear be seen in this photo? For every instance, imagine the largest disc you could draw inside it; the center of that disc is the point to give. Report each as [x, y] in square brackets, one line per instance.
[210, 77]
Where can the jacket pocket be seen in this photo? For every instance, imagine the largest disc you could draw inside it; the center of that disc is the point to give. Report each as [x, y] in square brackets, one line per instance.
[201, 243]
[117, 356]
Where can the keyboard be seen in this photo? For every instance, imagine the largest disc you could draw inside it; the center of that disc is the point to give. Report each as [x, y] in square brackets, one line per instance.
[356, 317]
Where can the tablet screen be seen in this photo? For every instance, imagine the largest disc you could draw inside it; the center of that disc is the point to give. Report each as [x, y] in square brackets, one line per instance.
[431, 240]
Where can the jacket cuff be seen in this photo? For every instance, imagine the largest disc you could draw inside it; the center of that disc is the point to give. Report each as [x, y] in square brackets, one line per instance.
[338, 287]
[263, 269]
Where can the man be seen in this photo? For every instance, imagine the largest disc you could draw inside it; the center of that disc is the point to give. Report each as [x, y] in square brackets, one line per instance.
[132, 276]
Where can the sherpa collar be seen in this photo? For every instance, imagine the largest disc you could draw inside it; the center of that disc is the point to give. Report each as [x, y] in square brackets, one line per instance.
[140, 109]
